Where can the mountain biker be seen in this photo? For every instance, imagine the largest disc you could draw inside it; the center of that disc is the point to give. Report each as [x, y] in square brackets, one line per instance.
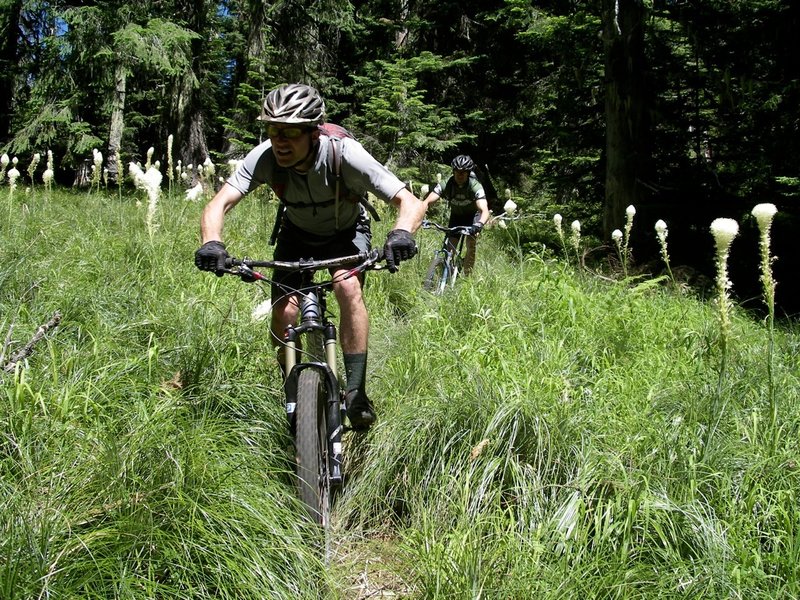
[314, 222]
[468, 205]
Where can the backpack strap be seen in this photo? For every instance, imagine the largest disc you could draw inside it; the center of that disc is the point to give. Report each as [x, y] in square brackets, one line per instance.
[337, 170]
[278, 186]
[336, 160]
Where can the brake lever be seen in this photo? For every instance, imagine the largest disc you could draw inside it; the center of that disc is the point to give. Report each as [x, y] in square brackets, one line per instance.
[248, 274]
[376, 255]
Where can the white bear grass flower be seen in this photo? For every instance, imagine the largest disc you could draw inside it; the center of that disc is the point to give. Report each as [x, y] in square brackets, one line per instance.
[4, 162]
[97, 168]
[32, 167]
[170, 173]
[616, 237]
[661, 233]
[764, 213]
[629, 214]
[557, 219]
[233, 164]
[49, 172]
[576, 238]
[193, 194]
[150, 183]
[149, 162]
[209, 171]
[13, 175]
[724, 231]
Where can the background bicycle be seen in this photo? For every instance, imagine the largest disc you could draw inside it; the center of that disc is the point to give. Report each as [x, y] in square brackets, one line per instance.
[313, 392]
[448, 260]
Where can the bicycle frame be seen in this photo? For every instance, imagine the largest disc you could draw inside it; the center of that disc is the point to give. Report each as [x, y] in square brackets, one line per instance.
[453, 254]
[447, 261]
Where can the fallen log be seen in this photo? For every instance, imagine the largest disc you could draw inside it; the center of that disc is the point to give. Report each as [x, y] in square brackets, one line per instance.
[27, 349]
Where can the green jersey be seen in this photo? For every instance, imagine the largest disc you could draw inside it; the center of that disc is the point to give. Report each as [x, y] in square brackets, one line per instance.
[461, 198]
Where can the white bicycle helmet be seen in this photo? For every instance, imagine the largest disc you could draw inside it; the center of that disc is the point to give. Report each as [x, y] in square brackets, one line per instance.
[294, 104]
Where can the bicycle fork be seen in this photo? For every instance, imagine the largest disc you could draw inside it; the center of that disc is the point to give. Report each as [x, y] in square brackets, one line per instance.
[312, 319]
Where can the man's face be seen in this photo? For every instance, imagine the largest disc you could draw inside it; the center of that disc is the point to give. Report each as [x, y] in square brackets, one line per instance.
[460, 176]
[291, 143]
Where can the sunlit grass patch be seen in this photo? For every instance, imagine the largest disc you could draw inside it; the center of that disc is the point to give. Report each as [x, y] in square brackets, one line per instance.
[541, 432]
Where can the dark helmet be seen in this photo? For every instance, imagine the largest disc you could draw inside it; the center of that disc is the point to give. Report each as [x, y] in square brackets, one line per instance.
[462, 162]
[294, 104]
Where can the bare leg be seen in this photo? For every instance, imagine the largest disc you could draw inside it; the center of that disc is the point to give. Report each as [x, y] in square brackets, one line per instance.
[469, 258]
[353, 320]
[284, 313]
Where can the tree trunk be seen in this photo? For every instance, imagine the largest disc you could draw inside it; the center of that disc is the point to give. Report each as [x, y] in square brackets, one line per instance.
[117, 124]
[9, 43]
[401, 36]
[197, 148]
[623, 38]
[253, 60]
[187, 103]
[188, 117]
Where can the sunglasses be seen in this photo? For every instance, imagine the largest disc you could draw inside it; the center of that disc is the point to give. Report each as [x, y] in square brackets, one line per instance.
[287, 133]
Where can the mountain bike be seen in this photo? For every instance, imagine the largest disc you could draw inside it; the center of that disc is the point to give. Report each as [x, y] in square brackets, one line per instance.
[448, 260]
[315, 406]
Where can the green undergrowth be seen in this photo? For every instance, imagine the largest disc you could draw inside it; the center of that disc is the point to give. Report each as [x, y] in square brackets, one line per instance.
[542, 432]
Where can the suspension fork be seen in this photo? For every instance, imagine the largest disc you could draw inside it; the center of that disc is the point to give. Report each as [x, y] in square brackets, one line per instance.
[311, 314]
[313, 317]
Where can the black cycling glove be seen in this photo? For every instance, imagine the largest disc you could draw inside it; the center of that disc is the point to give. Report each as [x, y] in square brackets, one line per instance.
[400, 246]
[476, 228]
[211, 257]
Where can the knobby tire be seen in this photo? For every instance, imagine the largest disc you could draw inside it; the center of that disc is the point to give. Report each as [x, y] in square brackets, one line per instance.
[436, 279]
[312, 446]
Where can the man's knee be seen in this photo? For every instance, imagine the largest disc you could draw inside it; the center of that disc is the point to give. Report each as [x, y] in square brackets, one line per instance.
[348, 291]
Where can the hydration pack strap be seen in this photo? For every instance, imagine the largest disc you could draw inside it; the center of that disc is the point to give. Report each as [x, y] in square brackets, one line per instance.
[279, 188]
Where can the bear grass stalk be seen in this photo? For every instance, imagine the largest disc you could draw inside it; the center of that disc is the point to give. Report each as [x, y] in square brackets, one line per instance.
[764, 214]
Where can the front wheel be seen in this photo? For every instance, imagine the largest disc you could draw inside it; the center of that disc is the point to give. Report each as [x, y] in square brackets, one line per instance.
[436, 279]
[311, 444]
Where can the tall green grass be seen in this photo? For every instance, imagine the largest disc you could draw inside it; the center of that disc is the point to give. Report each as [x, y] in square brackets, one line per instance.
[546, 434]
[143, 448]
[541, 432]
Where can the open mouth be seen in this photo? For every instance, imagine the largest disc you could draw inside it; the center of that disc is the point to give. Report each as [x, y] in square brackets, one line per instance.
[282, 154]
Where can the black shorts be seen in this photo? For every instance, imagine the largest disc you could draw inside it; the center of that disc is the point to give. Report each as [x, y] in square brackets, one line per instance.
[295, 244]
[462, 220]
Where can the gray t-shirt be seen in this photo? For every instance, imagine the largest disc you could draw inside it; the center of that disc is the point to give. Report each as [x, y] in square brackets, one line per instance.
[310, 197]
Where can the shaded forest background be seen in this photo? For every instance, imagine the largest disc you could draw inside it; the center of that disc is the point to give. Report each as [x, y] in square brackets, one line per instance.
[686, 109]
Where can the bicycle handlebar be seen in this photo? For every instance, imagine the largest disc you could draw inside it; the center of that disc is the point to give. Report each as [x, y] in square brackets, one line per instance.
[363, 261]
[460, 229]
